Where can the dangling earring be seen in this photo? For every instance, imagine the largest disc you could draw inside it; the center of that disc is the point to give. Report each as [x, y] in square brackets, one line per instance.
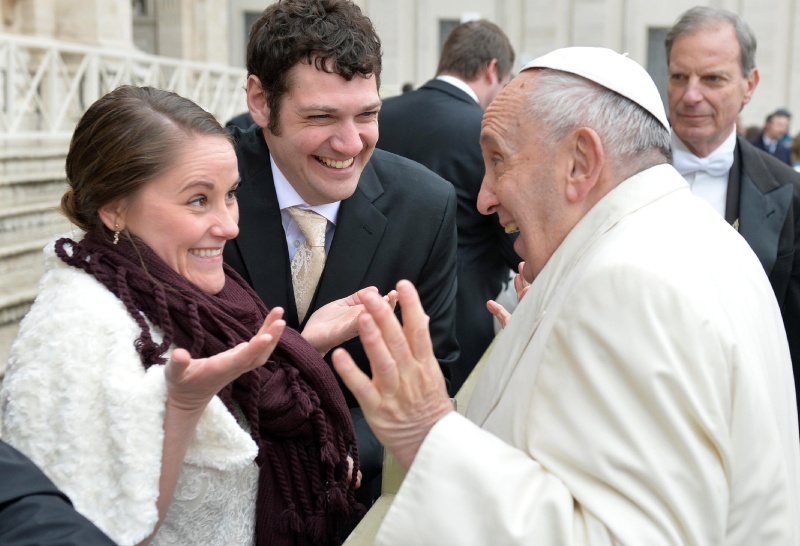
[116, 233]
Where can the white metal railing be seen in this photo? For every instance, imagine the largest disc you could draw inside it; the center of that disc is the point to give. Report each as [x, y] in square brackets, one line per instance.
[46, 85]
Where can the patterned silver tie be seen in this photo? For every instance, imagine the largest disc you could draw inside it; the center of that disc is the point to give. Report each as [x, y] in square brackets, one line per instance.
[309, 260]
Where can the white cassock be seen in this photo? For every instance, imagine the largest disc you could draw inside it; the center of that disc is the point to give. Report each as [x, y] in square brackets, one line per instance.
[642, 394]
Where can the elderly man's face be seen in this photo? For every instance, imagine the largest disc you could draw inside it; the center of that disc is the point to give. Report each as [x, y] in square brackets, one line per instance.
[521, 183]
[706, 88]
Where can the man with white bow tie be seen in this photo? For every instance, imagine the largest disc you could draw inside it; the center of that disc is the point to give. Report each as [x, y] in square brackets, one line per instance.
[712, 75]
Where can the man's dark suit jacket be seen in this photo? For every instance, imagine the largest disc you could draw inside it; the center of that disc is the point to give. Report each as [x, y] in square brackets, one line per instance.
[764, 195]
[439, 126]
[242, 121]
[399, 224]
[34, 511]
[781, 151]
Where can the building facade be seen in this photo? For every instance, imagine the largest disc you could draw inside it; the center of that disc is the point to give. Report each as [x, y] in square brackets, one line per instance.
[412, 31]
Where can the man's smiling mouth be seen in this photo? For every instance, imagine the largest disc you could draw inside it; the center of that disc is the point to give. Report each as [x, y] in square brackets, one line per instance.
[335, 164]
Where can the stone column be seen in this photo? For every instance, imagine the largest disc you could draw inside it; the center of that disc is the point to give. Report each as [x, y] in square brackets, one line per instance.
[170, 29]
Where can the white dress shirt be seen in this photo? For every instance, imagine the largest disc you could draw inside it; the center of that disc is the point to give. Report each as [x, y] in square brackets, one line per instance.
[712, 188]
[288, 197]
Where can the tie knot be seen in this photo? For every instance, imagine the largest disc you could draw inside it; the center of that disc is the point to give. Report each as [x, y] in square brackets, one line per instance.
[312, 225]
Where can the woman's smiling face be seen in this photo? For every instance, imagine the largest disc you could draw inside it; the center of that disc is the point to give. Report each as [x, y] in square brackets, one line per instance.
[186, 215]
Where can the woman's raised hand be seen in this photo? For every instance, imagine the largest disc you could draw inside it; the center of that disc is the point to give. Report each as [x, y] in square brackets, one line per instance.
[192, 382]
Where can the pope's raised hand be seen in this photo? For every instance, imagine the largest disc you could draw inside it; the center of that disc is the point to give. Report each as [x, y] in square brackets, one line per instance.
[407, 394]
[521, 287]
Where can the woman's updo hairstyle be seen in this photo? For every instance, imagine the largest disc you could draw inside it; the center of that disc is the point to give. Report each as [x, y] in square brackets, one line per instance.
[125, 139]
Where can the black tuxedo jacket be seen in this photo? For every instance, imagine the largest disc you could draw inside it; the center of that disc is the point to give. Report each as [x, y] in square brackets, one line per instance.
[764, 195]
[399, 224]
[439, 126]
[781, 151]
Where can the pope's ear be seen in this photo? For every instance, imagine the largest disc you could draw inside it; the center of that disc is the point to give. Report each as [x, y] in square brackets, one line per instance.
[587, 158]
[257, 101]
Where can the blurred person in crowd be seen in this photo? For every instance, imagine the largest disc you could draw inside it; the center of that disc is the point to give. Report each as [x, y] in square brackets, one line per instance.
[771, 138]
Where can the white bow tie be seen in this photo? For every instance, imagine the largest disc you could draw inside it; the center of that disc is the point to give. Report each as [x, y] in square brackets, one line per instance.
[717, 164]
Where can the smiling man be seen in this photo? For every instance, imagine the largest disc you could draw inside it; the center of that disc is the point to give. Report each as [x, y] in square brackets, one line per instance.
[314, 73]
[641, 393]
[712, 75]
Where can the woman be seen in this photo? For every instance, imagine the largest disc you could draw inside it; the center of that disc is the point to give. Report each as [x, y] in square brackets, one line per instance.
[148, 380]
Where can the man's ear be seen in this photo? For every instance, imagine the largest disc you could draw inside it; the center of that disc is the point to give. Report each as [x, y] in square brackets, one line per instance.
[751, 82]
[257, 101]
[491, 72]
[587, 159]
[113, 216]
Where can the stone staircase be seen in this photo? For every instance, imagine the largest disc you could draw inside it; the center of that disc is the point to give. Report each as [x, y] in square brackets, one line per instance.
[31, 185]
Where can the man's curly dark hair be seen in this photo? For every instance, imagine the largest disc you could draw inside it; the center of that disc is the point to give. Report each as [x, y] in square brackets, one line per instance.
[332, 34]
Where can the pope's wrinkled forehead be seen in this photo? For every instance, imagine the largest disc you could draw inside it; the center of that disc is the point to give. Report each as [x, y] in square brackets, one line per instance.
[504, 114]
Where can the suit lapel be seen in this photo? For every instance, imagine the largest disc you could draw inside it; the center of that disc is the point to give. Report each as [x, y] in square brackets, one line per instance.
[763, 206]
[359, 228]
[261, 239]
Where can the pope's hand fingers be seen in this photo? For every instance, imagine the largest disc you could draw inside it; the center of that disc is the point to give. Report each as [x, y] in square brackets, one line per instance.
[357, 381]
[389, 330]
[500, 313]
[382, 361]
[519, 283]
[415, 321]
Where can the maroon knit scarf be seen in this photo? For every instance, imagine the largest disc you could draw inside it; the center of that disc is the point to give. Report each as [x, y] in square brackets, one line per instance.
[297, 413]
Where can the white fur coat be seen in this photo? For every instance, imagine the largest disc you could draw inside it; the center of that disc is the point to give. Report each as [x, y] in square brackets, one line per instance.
[77, 401]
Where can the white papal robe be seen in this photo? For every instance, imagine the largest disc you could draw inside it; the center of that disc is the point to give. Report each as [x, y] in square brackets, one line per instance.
[642, 394]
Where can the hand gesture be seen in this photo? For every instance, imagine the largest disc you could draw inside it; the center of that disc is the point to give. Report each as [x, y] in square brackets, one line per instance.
[335, 323]
[521, 286]
[407, 394]
[192, 382]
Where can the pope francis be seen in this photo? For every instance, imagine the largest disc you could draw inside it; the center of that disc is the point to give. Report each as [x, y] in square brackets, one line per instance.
[642, 391]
